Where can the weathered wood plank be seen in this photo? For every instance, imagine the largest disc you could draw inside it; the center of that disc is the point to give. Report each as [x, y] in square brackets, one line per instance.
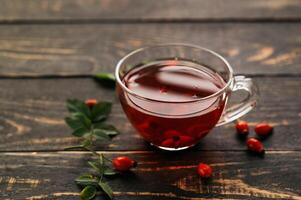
[32, 112]
[12, 10]
[33, 50]
[237, 175]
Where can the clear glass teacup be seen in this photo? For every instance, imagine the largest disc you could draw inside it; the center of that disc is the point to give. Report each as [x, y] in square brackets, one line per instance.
[175, 94]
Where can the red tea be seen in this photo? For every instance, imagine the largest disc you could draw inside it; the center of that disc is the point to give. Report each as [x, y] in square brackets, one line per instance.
[170, 114]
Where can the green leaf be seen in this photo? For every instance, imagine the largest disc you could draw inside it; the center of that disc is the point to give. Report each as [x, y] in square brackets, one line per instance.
[84, 120]
[73, 122]
[72, 105]
[100, 163]
[88, 192]
[100, 135]
[106, 188]
[109, 172]
[101, 159]
[86, 179]
[106, 79]
[77, 121]
[101, 111]
[107, 129]
[80, 132]
[94, 165]
[85, 176]
[77, 106]
[105, 76]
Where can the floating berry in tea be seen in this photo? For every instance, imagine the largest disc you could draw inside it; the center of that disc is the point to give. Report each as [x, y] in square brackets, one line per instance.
[170, 143]
[171, 134]
[186, 140]
[175, 139]
[163, 89]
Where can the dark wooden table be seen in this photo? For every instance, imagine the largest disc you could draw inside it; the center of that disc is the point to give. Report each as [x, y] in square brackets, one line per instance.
[49, 51]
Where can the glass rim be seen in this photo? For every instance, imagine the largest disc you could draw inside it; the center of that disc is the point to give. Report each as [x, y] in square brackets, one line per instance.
[122, 60]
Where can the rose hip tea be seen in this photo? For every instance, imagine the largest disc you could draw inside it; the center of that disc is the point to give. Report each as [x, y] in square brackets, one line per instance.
[175, 94]
[166, 123]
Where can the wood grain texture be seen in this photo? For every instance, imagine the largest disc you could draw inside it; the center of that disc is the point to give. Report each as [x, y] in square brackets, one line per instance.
[237, 175]
[32, 112]
[33, 50]
[14, 10]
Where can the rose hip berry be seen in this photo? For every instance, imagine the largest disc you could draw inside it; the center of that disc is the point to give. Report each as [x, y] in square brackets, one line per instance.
[186, 140]
[171, 134]
[123, 163]
[174, 139]
[263, 129]
[91, 102]
[204, 170]
[255, 145]
[169, 143]
[242, 127]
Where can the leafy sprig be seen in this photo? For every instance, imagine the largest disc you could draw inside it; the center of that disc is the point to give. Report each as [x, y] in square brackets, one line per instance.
[95, 181]
[88, 123]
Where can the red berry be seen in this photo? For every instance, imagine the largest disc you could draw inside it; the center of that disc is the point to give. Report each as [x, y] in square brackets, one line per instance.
[242, 127]
[263, 129]
[91, 102]
[123, 163]
[171, 134]
[255, 145]
[163, 89]
[204, 170]
[186, 141]
[168, 143]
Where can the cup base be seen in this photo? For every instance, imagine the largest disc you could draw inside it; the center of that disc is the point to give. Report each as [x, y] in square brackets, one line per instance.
[171, 149]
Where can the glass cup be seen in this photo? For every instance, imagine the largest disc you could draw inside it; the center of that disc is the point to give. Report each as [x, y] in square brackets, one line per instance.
[180, 124]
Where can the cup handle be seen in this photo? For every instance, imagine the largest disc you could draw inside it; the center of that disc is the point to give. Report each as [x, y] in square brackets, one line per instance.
[238, 110]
